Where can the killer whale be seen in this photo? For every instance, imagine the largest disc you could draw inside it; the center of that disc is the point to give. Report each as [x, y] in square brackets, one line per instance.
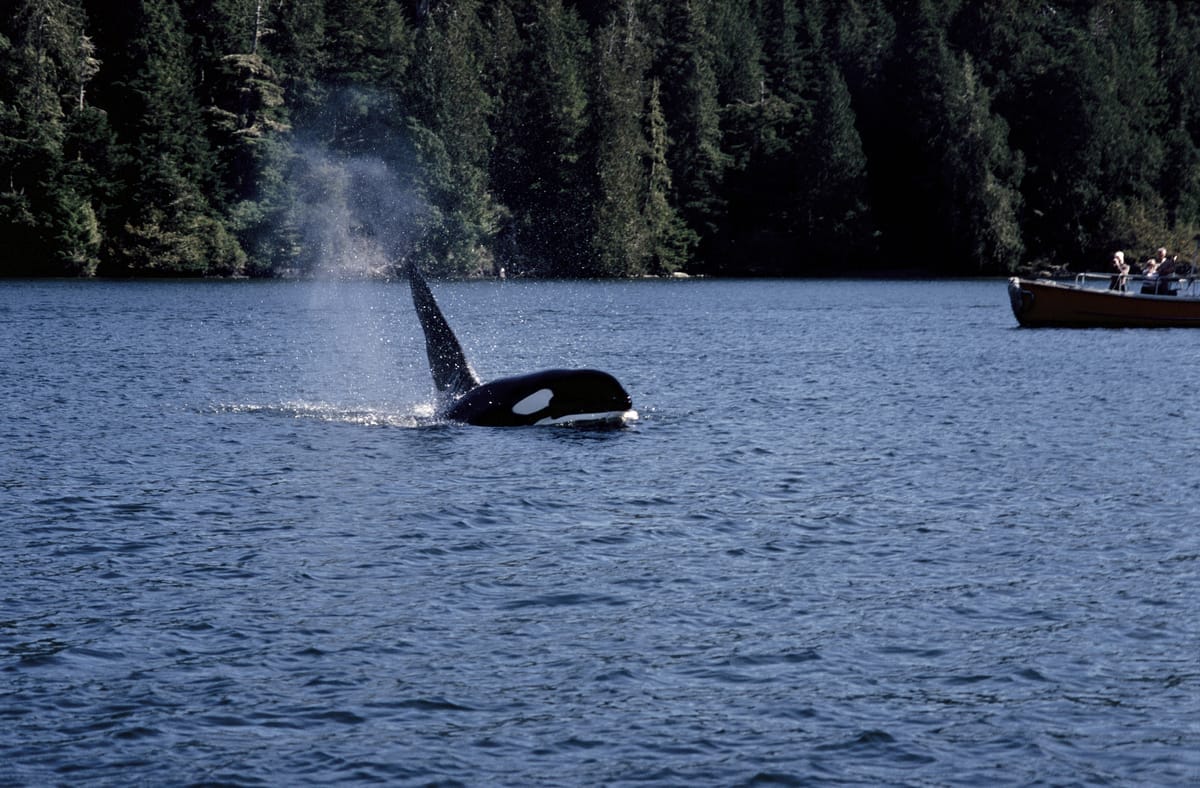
[552, 396]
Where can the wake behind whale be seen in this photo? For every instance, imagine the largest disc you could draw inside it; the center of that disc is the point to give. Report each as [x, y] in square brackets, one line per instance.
[581, 397]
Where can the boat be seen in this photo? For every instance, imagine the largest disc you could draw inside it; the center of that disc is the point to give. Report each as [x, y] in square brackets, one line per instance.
[1087, 302]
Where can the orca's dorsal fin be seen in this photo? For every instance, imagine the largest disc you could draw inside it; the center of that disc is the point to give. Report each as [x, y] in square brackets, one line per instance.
[451, 373]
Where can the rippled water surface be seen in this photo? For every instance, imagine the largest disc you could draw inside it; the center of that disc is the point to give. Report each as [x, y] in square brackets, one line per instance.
[863, 533]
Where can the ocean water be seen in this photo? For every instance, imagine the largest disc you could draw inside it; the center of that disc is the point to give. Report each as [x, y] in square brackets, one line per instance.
[863, 533]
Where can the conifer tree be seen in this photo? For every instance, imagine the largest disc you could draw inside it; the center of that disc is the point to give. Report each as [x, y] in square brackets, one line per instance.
[954, 177]
[1086, 129]
[537, 168]
[46, 215]
[1178, 28]
[737, 52]
[689, 101]
[786, 64]
[246, 122]
[621, 244]
[294, 50]
[365, 54]
[164, 222]
[837, 228]
[247, 125]
[344, 67]
[449, 128]
[782, 183]
[29, 119]
[982, 176]
[670, 239]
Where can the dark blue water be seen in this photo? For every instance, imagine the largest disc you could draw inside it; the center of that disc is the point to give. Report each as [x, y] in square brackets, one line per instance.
[863, 533]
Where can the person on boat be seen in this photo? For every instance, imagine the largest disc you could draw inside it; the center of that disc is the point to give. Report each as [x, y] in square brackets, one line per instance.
[1154, 273]
[1168, 275]
[1122, 271]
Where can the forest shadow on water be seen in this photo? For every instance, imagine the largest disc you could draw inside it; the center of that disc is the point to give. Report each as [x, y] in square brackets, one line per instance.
[862, 532]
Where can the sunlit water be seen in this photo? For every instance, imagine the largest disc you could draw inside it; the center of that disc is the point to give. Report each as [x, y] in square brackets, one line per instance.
[863, 533]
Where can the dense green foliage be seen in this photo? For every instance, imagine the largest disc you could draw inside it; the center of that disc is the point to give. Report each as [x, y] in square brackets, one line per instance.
[594, 137]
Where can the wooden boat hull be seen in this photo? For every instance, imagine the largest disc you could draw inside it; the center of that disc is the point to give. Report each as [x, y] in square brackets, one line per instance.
[1044, 304]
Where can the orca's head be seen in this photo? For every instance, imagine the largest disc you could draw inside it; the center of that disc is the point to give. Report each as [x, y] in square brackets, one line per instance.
[574, 397]
[556, 396]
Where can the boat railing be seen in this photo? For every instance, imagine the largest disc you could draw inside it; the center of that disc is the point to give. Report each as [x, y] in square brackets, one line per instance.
[1187, 285]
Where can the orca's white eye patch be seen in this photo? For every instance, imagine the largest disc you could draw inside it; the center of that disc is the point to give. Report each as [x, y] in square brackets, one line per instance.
[534, 402]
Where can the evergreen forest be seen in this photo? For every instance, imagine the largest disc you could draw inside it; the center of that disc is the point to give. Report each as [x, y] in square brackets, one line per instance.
[597, 138]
